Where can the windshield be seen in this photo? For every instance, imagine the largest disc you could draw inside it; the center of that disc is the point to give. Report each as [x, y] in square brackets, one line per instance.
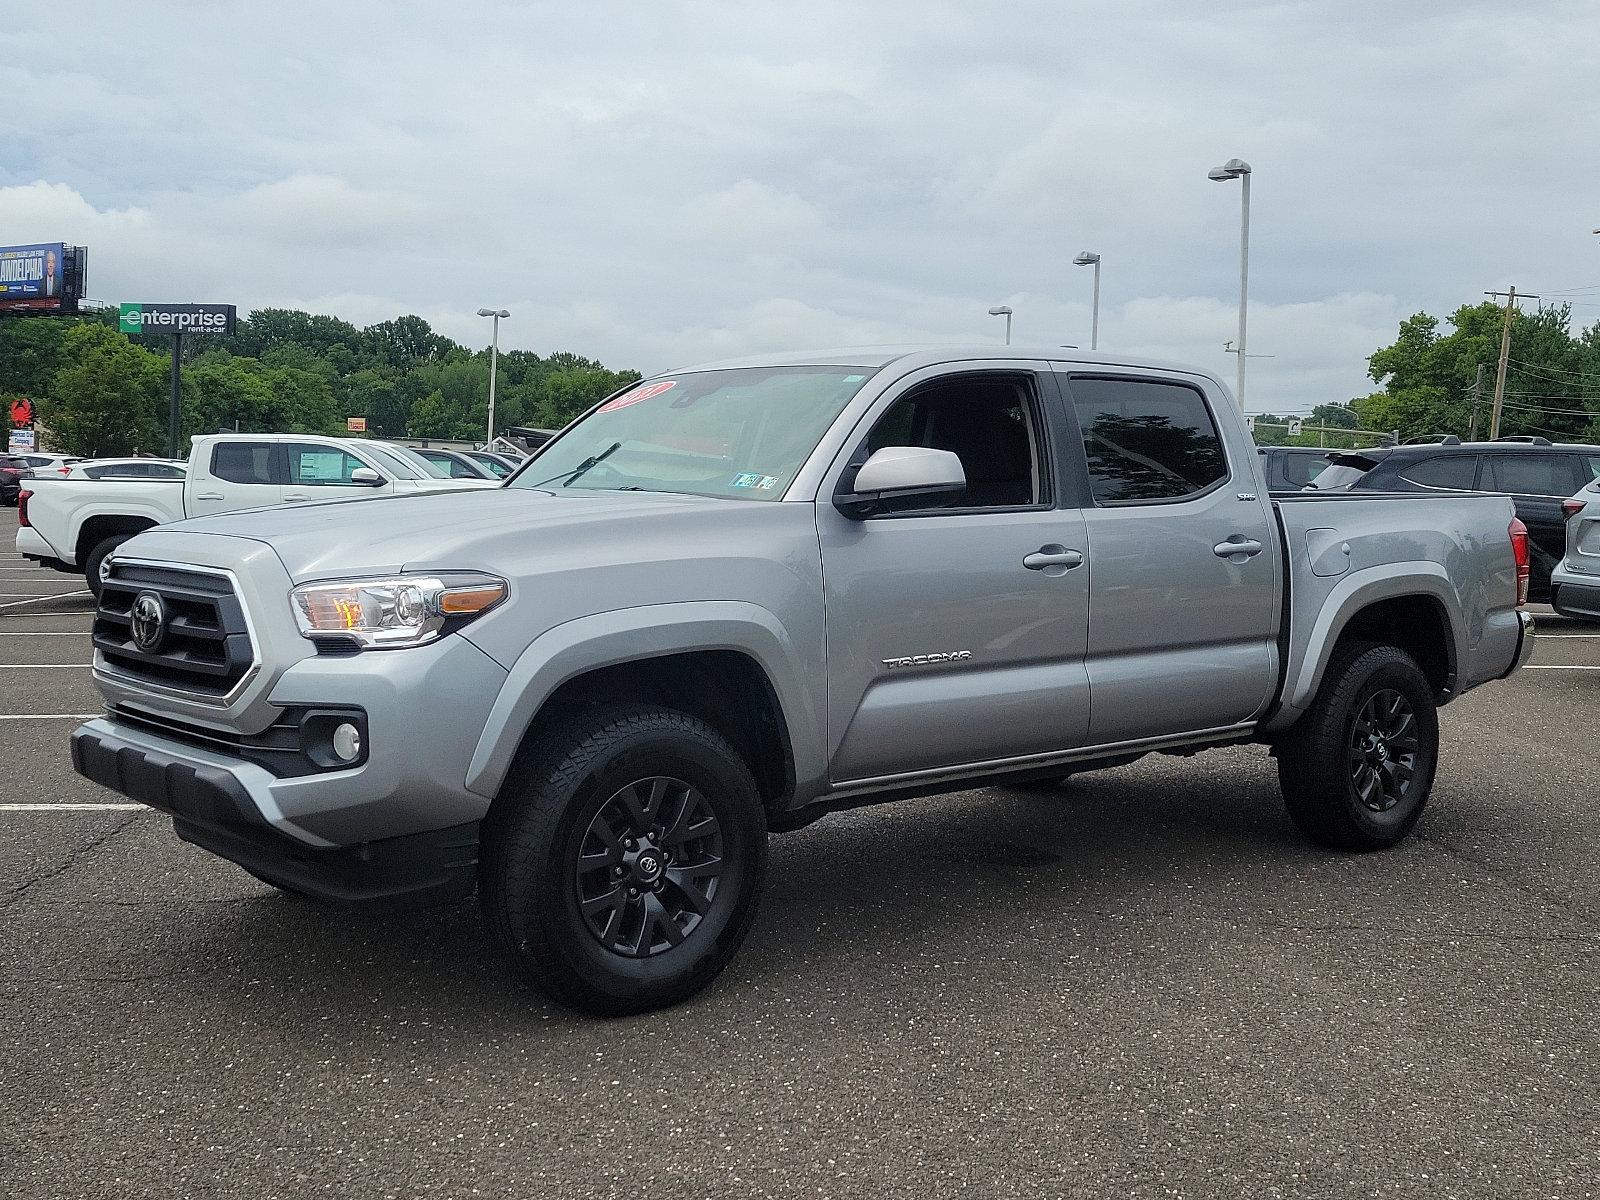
[740, 434]
[402, 467]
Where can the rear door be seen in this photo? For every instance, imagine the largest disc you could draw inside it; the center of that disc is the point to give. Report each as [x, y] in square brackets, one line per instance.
[1537, 484]
[1183, 559]
[237, 474]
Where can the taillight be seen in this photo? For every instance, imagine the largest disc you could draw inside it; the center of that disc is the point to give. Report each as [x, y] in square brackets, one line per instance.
[22, 508]
[1519, 551]
[1571, 508]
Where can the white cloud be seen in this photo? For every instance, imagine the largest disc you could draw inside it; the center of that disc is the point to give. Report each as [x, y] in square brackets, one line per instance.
[682, 180]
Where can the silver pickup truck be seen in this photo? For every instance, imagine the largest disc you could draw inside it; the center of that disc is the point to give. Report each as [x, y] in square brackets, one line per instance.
[731, 599]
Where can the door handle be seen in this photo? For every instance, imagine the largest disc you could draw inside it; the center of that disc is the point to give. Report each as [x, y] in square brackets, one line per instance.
[1237, 548]
[1046, 557]
[294, 499]
[209, 496]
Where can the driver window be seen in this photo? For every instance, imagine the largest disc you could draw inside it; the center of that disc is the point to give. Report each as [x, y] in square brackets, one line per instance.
[991, 425]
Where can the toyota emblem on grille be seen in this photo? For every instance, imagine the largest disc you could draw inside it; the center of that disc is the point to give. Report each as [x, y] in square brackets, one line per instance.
[148, 621]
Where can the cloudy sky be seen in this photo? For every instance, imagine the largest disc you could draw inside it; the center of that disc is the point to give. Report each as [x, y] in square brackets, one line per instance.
[660, 183]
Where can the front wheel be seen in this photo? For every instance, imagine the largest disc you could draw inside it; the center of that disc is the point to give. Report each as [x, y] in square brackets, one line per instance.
[1357, 769]
[94, 561]
[624, 859]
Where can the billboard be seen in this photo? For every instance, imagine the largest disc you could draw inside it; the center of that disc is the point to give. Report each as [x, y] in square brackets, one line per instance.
[176, 318]
[34, 278]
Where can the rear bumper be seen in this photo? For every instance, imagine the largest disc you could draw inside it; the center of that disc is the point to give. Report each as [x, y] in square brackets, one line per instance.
[212, 807]
[1525, 640]
[31, 544]
[1580, 600]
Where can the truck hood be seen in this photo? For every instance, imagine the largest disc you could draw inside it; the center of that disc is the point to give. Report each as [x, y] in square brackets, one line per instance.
[441, 530]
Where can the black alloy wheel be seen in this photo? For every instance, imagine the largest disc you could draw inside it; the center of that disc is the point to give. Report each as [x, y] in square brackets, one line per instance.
[649, 867]
[1383, 750]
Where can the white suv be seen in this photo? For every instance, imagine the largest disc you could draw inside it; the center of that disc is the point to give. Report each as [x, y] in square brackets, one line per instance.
[1575, 582]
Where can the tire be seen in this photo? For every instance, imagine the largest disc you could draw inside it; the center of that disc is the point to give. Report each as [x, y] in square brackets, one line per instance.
[92, 560]
[606, 792]
[1357, 769]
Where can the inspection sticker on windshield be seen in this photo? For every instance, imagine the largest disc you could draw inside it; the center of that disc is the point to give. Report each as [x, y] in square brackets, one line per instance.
[753, 479]
[627, 399]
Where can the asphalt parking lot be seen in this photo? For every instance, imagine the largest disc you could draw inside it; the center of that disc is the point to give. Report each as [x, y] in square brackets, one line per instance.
[1143, 984]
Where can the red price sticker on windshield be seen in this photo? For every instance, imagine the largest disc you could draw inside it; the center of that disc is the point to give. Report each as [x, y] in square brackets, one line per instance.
[642, 393]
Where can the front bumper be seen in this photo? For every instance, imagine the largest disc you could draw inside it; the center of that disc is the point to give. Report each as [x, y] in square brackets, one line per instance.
[211, 806]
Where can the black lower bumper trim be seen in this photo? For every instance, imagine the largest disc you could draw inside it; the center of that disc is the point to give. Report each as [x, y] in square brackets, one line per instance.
[1576, 600]
[211, 809]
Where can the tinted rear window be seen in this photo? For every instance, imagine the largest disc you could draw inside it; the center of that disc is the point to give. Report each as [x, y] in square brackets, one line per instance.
[1146, 440]
[1533, 474]
[243, 462]
[1448, 472]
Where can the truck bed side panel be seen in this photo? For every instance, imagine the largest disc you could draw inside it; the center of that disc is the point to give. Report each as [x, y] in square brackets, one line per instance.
[1350, 550]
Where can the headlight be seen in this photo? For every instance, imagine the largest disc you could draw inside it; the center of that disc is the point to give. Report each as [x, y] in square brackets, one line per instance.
[377, 614]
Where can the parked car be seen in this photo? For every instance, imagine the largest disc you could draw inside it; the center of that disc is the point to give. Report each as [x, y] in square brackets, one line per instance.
[1290, 468]
[452, 464]
[1575, 582]
[43, 464]
[125, 468]
[498, 465]
[1537, 474]
[12, 471]
[589, 694]
[73, 524]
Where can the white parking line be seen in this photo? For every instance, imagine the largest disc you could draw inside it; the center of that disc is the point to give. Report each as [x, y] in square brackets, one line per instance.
[46, 633]
[49, 716]
[72, 807]
[47, 596]
[1565, 637]
[40, 666]
[1556, 667]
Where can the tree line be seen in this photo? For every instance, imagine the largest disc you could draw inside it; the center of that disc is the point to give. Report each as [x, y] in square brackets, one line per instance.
[101, 392]
[1427, 378]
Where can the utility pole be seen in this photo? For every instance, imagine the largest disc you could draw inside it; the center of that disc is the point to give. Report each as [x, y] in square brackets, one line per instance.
[1505, 353]
[1477, 395]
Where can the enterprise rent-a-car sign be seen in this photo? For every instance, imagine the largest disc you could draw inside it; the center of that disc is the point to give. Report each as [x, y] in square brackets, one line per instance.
[176, 318]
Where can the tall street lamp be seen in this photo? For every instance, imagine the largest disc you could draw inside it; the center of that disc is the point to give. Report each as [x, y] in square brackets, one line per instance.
[494, 358]
[1003, 310]
[1088, 258]
[1237, 168]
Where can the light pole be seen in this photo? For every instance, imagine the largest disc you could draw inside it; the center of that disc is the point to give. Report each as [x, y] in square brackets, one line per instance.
[1237, 168]
[494, 358]
[1003, 310]
[1090, 258]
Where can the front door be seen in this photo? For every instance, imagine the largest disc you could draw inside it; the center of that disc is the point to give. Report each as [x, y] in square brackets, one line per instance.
[1184, 562]
[317, 472]
[956, 633]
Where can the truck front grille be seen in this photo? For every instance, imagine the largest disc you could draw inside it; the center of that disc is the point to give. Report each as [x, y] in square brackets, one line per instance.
[204, 647]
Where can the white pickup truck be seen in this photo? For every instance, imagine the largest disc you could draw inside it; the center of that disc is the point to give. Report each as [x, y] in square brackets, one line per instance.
[73, 524]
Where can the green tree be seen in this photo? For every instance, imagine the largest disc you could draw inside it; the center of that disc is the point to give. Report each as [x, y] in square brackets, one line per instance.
[108, 399]
[433, 417]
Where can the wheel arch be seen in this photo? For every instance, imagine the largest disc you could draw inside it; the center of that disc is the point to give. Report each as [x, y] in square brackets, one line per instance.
[729, 664]
[97, 528]
[1409, 605]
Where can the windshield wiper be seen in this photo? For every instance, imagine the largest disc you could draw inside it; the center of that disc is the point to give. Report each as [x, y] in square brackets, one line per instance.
[576, 473]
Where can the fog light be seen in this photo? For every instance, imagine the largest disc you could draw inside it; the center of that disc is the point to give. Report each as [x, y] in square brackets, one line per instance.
[346, 742]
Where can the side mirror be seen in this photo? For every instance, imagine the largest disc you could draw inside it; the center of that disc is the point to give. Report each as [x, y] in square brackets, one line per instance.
[901, 473]
[366, 477]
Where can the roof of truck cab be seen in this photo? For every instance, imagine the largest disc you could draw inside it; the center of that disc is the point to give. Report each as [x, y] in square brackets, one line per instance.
[926, 354]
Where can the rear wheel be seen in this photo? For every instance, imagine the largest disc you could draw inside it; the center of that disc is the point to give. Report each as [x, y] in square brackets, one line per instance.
[93, 561]
[624, 859]
[1356, 770]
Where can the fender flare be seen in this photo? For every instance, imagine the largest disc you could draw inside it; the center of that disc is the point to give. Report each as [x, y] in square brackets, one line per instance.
[624, 635]
[1349, 597]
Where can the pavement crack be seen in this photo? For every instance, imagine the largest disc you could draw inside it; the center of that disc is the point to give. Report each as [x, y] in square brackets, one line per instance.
[14, 894]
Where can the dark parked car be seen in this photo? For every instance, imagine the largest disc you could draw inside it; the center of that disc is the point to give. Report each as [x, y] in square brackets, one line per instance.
[12, 470]
[1290, 468]
[497, 464]
[1537, 474]
[453, 465]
